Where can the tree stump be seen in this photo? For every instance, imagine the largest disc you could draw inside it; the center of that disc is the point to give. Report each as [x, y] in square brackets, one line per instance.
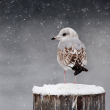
[68, 97]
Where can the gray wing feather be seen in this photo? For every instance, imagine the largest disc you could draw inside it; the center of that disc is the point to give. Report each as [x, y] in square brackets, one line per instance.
[73, 49]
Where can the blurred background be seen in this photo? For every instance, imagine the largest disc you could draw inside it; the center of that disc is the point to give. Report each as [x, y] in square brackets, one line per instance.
[28, 57]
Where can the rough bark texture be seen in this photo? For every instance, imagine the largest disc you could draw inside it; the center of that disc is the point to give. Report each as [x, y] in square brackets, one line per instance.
[70, 102]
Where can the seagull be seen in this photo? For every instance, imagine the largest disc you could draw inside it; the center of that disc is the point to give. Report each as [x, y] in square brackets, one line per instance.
[71, 53]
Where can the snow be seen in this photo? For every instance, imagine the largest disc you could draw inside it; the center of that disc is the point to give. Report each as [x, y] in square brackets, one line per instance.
[68, 89]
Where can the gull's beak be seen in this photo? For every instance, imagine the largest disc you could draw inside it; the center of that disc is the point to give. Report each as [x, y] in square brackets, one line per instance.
[54, 38]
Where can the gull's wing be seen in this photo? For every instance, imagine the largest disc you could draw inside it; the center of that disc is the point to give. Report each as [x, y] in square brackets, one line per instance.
[72, 51]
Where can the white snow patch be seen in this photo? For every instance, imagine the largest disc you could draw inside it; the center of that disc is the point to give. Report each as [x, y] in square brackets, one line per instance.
[68, 89]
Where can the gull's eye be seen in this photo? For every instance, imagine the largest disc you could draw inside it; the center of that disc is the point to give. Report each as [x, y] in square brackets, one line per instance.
[64, 34]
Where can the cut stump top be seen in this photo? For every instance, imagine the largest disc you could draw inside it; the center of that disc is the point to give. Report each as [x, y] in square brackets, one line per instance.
[68, 89]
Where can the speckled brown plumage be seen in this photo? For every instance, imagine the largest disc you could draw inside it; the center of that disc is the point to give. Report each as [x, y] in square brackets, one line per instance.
[74, 57]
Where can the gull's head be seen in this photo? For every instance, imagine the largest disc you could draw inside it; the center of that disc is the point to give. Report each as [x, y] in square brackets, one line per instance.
[65, 33]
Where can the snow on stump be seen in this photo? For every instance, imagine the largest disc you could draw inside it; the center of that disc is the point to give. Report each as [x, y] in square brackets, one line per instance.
[68, 97]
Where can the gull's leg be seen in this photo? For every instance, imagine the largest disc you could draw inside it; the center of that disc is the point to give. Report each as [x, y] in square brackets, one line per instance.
[74, 79]
[64, 76]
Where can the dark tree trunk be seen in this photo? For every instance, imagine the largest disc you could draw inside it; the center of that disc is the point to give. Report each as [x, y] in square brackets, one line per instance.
[69, 102]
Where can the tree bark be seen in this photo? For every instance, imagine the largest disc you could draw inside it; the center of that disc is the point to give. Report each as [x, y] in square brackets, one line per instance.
[69, 102]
